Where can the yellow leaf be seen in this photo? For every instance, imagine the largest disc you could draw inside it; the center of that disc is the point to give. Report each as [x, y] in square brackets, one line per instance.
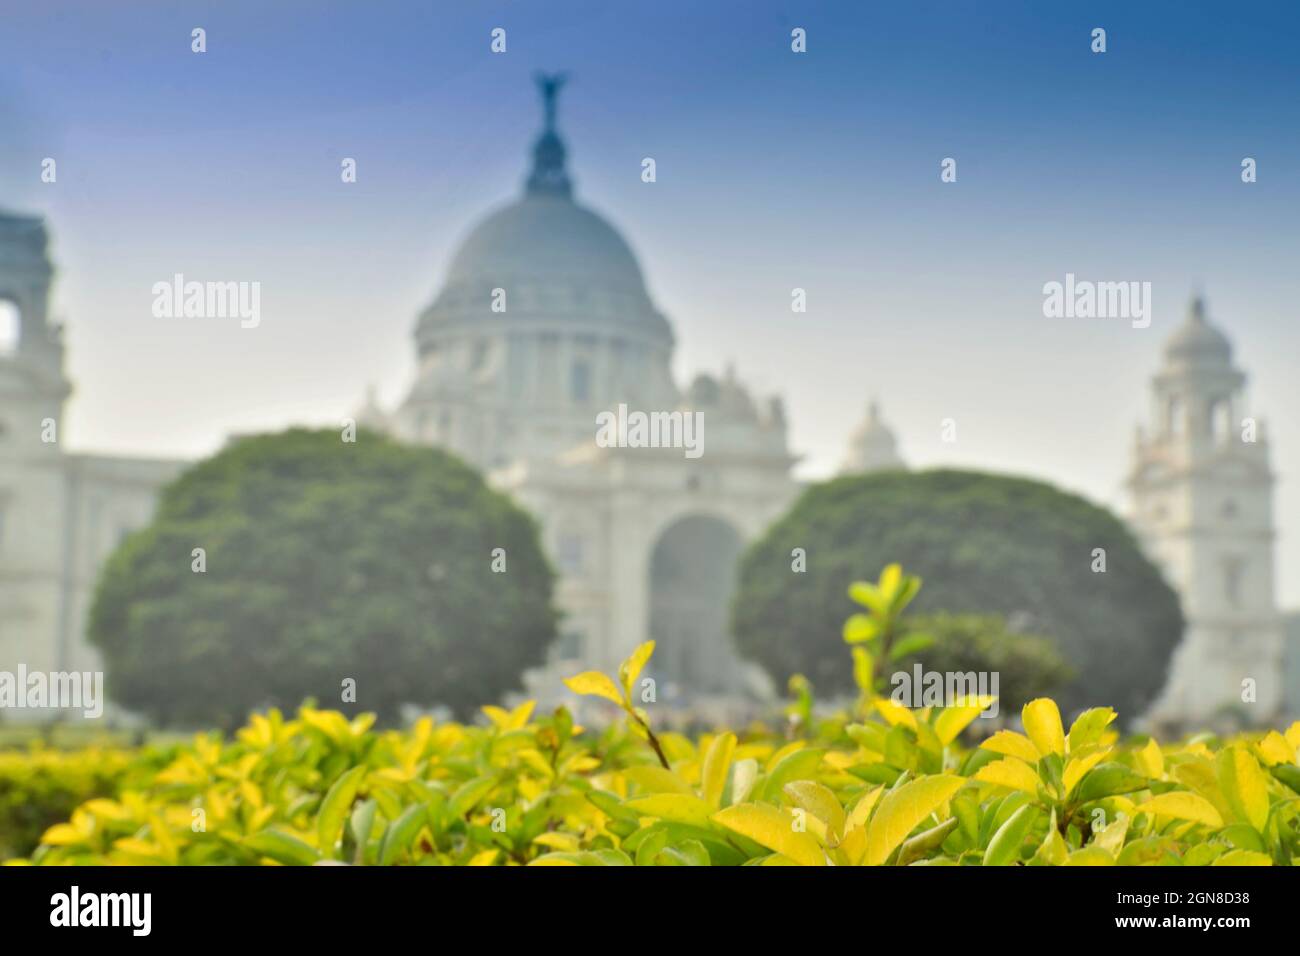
[1078, 766]
[1042, 720]
[1243, 858]
[566, 842]
[1275, 749]
[1089, 727]
[1293, 736]
[861, 811]
[675, 807]
[713, 776]
[1198, 774]
[1012, 744]
[1090, 856]
[1244, 786]
[953, 720]
[63, 834]
[595, 684]
[630, 669]
[854, 845]
[895, 713]
[820, 802]
[901, 811]
[1009, 772]
[784, 752]
[653, 779]
[1183, 805]
[774, 829]
[485, 858]
[1150, 761]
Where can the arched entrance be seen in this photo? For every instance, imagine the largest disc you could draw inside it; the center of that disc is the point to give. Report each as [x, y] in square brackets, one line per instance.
[692, 575]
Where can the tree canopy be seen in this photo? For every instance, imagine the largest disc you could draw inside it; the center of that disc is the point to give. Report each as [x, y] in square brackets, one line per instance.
[984, 544]
[290, 563]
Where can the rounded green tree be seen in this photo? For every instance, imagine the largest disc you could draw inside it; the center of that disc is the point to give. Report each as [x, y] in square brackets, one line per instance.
[298, 565]
[984, 544]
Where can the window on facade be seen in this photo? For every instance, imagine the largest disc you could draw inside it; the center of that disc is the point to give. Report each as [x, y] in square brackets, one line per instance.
[9, 325]
[569, 553]
[517, 353]
[1174, 416]
[580, 381]
[1220, 419]
[1234, 568]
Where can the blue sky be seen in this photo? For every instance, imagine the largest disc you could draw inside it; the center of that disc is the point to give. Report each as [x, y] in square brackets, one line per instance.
[775, 170]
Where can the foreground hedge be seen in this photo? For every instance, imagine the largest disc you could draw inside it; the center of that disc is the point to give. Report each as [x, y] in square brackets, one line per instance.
[894, 788]
[883, 785]
[40, 787]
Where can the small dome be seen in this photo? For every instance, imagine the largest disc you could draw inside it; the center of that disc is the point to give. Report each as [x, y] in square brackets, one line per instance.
[872, 447]
[1197, 340]
[548, 236]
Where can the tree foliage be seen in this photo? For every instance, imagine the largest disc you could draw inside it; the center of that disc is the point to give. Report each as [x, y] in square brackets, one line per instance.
[324, 561]
[985, 544]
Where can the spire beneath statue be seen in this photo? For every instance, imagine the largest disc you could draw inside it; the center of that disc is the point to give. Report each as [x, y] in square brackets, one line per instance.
[548, 176]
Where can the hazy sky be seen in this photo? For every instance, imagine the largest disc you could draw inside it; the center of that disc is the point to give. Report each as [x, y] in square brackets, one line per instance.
[775, 170]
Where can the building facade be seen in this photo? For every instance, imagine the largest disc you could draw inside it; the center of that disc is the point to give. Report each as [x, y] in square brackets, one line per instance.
[61, 514]
[1202, 494]
[544, 323]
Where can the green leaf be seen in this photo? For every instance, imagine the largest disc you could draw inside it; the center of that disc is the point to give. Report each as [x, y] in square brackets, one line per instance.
[282, 847]
[334, 810]
[686, 853]
[1108, 780]
[800, 765]
[860, 629]
[911, 644]
[1004, 848]
[1288, 775]
[401, 833]
[363, 823]
[466, 798]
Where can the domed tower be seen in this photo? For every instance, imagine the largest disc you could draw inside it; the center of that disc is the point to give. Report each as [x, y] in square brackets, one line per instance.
[33, 388]
[543, 320]
[872, 446]
[1203, 506]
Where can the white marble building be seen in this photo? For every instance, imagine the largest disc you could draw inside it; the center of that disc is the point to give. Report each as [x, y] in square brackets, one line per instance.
[1203, 507]
[61, 513]
[543, 322]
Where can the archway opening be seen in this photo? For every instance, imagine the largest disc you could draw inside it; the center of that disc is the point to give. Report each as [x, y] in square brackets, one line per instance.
[692, 577]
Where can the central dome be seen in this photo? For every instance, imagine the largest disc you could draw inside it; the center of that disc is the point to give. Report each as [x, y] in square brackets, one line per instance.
[546, 261]
[547, 235]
